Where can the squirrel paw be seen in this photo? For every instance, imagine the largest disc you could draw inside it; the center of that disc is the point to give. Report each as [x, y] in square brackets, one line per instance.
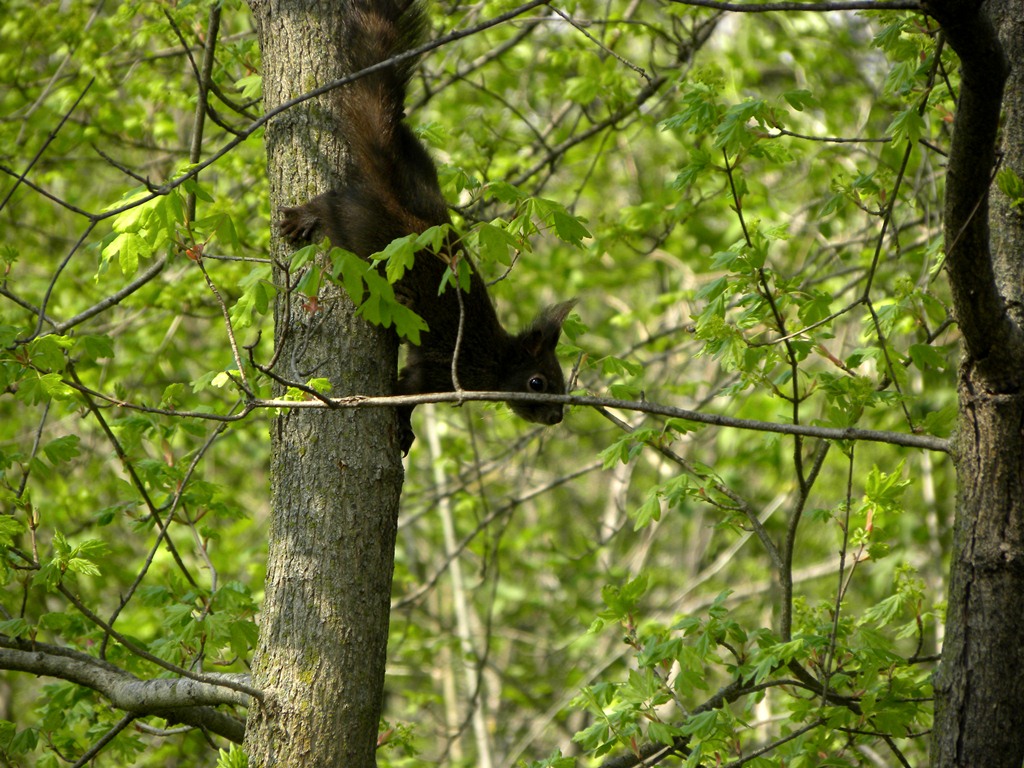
[297, 225]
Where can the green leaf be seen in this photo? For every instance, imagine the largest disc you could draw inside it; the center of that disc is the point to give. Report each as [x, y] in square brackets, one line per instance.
[622, 391]
[10, 528]
[623, 599]
[927, 356]
[817, 307]
[800, 99]
[649, 512]
[232, 757]
[582, 90]
[24, 741]
[83, 566]
[129, 248]
[408, 324]
[700, 110]
[223, 378]
[700, 163]
[907, 126]
[400, 255]
[308, 283]
[16, 627]
[901, 78]
[243, 637]
[495, 244]
[48, 575]
[44, 387]
[505, 192]
[62, 449]
[321, 385]
[942, 421]
[251, 86]
[700, 726]
[47, 352]
[618, 366]
[352, 271]
[620, 451]
[734, 132]
[255, 299]
[94, 347]
[1011, 185]
[713, 289]
[569, 228]
[193, 187]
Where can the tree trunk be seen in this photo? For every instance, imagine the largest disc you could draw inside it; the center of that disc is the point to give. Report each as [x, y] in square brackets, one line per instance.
[979, 688]
[336, 475]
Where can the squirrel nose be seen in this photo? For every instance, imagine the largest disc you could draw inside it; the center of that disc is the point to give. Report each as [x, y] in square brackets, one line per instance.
[554, 417]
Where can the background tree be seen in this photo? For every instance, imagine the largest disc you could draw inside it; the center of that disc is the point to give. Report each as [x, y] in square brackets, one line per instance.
[762, 194]
[976, 708]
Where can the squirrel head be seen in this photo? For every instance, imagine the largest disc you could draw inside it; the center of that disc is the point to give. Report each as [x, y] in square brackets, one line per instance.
[534, 366]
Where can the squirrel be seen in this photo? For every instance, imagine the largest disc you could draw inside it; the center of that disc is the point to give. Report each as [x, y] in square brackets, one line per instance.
[392, 190]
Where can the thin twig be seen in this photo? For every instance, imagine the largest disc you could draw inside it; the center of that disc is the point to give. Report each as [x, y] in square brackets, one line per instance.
[579, 27]
[226, 314]
[49, 140]
[105, 739]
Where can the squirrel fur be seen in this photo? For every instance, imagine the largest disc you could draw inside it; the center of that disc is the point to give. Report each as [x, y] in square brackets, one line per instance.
[392, 190]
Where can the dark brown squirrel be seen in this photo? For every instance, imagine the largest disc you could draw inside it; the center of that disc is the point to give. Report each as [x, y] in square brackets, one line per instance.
[392, 191]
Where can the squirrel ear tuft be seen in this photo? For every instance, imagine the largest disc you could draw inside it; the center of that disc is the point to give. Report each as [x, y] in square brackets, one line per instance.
[543, 332]
[555, 314]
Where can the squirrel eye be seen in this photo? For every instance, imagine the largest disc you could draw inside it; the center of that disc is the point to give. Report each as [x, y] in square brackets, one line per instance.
[537, 383]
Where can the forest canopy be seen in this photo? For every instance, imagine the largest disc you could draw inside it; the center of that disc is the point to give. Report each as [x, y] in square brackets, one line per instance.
[736, 553]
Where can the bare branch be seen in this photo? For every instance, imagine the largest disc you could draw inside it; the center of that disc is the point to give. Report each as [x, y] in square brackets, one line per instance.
[176, 699]
[928, 442]
[112, 299]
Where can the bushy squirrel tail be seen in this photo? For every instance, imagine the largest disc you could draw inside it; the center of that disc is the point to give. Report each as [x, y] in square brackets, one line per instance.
[385, 155]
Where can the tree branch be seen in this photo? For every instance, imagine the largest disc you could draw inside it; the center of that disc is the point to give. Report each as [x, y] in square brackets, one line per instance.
[928, 442]
[178, 700]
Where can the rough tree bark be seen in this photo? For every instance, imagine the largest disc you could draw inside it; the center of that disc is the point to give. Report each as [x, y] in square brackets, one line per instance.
[979, 688]
[336, 475]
